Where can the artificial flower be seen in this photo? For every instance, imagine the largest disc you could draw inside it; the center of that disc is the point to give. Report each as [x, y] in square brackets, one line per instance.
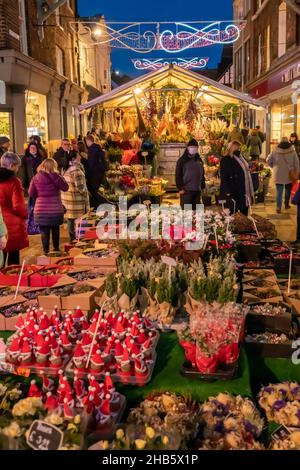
[13, 430]
[140, 444]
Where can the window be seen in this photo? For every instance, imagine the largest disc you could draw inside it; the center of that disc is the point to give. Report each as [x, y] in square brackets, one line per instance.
[36, 115]
[71, 58]
[259, 55]
[22, 27]
[268, 47]
[282, 29]
[238, 68]
[247, 61]
[60, 66]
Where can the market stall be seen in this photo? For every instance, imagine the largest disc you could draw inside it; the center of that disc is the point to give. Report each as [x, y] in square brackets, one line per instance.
[191, 337]
[166, 108]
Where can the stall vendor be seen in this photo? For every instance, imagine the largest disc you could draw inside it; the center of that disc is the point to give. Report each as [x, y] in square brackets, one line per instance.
[190, 178]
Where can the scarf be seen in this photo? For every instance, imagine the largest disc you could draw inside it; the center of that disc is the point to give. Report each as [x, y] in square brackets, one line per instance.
[249, 195]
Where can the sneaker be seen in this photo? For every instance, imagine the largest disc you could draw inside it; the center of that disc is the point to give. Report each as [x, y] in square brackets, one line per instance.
[278, 211]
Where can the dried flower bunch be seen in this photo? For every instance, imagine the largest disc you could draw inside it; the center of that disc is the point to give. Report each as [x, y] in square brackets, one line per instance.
[230, 423]
[281, 403]
[270, 310]
[168, 414]
[268, 337]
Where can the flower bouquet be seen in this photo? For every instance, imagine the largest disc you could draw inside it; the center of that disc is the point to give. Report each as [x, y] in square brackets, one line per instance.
[281, 403]
[230, 423]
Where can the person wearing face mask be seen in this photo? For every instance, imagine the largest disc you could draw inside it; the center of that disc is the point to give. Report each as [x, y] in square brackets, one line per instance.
[236, 181]
[190, 178]
[29, 164]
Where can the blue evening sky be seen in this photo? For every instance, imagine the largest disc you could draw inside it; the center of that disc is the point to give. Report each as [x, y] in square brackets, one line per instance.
[159, 10]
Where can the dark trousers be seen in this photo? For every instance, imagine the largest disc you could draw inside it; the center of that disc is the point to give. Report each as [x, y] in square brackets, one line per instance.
[45, 233]
[287, 195]
[12, 257]
[71, 228]
[190, 198]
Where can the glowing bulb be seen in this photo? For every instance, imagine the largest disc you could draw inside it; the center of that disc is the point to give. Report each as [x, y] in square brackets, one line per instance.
[204, 87]
[200, 94]
[138, 90]
[97, 32]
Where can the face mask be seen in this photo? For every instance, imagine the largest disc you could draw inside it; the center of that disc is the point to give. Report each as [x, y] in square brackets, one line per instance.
[237, 153]
[192, 151]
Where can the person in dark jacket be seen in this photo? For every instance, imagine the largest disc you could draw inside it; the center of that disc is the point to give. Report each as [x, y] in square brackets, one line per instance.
[261, 135]
[62, 156]
[190, 178]
[236, 182]
[13, 207]
[45, 188]
[96, 168]
[294, 140]
[29, 164]
[4, 144]
[37, 140]
[254, 144]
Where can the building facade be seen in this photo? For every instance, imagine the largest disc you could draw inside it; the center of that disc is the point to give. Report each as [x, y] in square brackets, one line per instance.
[267, 62]
[43, 78]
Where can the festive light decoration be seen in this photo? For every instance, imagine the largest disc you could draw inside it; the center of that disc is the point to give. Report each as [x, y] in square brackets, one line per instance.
[156, 64]
[145, 37]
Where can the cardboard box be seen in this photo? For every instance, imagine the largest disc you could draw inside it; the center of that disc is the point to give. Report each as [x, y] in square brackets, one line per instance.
[108, 261]
[2, 322]
[86, 301]
[12, 279]
[49, 260]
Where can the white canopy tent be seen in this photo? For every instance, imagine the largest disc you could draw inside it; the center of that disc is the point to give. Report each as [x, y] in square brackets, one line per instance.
[215, 94]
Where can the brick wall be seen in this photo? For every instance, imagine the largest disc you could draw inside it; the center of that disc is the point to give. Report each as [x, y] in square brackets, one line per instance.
[9, 25]
[62, 36]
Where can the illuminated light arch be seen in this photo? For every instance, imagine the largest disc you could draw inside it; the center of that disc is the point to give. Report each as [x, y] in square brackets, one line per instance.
[171, 37]
[156, 64]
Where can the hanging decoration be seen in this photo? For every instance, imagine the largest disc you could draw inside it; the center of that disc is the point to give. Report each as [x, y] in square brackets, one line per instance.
[171, 37]
[156, 64]
[191, 114]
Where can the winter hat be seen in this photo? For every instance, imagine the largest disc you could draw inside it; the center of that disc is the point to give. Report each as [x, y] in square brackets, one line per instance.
[192, 143]
[34, 391]
[4, 140]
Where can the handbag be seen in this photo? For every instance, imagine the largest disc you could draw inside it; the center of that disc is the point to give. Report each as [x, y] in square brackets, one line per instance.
[293, 174]
[32, 227]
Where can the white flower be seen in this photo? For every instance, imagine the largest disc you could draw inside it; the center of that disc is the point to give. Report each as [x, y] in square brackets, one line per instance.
[14, 394]
[13, 430]
[3, 389]
[54, 419]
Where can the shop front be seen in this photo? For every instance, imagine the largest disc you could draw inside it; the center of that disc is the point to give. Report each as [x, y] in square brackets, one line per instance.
[36, 115]
[278, 90]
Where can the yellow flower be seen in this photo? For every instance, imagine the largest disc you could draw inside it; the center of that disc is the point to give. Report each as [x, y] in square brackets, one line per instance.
[2, 389]
[165, 440]
[77, 419]
[54, 419]
[119, 434]
[71, 427]
[27, 406]
[150, 432]
[14, 394]
[140, 444]
[13, 430]
[105, 445]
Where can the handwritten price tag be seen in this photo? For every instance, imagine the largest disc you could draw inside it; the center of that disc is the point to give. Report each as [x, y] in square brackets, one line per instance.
[169, 261]
[44, 436]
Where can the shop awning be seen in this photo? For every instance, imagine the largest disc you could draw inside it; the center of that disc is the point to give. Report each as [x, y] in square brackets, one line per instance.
[216, 94]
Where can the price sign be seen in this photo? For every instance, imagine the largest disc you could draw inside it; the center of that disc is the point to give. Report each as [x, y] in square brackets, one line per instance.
[281, 433]
[169, 261]
[44, 436]
[22, 371]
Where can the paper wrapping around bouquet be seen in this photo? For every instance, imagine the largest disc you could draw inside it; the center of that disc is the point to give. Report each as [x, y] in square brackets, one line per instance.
[127, 304]
[192, 305]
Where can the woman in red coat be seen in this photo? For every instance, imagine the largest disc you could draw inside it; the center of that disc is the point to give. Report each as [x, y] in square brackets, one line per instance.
[13, 207]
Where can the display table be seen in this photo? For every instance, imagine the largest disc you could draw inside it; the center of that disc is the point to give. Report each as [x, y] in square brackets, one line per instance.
[253, 371]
